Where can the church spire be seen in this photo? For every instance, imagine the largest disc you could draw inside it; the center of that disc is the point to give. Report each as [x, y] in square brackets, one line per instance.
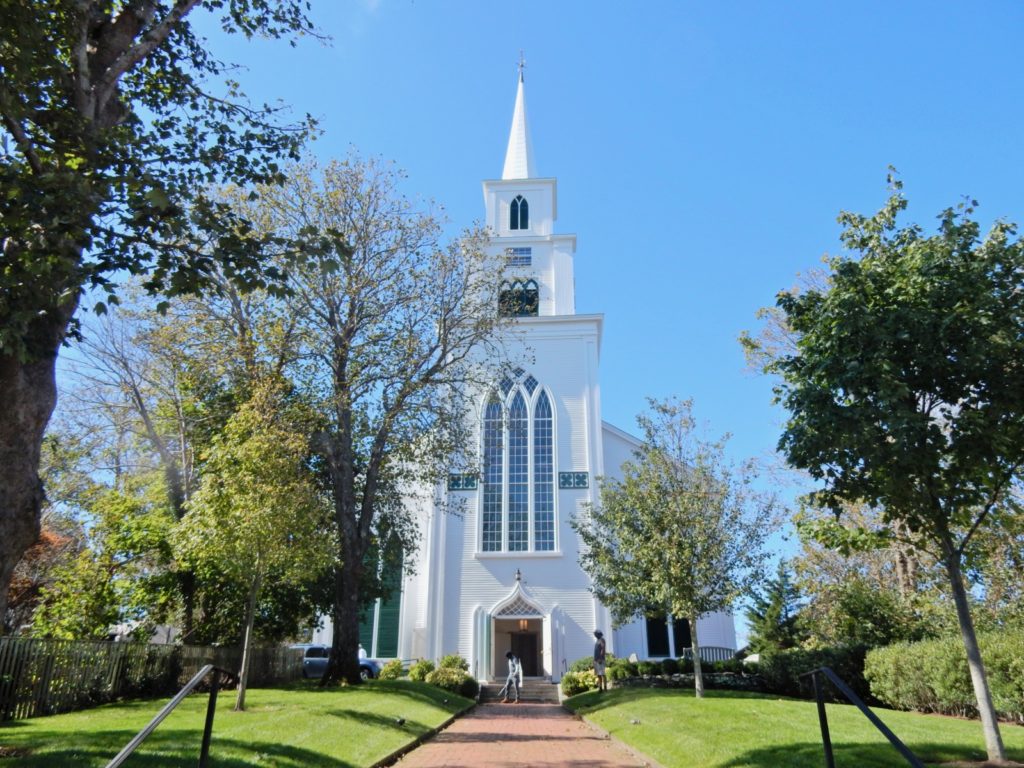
[519, 155]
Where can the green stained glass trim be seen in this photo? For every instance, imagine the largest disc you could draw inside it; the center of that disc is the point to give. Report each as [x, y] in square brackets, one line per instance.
[462, 482]
[573, 479]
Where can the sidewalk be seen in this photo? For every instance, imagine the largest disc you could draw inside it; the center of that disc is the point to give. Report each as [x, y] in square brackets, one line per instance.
[505, 735]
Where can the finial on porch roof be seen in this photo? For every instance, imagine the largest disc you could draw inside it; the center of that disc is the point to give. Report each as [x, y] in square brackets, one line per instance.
[519, 576]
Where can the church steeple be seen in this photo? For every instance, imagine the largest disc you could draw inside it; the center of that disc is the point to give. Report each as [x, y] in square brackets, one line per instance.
[519, 155]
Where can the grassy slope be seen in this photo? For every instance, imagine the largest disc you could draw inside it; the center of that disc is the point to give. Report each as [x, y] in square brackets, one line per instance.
[739, 730]
[300, 725]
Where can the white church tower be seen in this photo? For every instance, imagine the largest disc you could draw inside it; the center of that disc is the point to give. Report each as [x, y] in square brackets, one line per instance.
[505, 574]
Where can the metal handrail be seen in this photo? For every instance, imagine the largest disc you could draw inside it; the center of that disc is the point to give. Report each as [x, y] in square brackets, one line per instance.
[819, 697]
[211, 708]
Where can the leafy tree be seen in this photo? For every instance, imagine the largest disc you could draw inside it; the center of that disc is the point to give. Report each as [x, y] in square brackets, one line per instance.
[391, 325]
[774, 613]
[108, 137]
[259, 511]
[906, 388]
[681, 533]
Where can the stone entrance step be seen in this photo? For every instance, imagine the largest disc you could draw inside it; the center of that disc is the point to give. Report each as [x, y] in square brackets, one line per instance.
[531, 690]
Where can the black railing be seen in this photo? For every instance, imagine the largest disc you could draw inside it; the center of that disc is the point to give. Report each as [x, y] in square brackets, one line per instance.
[211, 708]
[843, 688]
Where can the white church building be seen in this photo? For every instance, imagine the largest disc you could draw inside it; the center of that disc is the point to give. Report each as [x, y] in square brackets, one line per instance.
[505, 574]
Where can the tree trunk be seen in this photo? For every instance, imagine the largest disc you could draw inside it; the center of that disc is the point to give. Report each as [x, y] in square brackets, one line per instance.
[28, 391]
[989, 722]
[698, 674]
[344, 661]
[250, 618]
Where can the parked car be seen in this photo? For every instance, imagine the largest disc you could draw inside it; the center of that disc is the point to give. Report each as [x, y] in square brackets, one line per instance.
[314, 662]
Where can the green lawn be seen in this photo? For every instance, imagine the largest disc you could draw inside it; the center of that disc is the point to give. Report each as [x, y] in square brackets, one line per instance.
[730, 729]
[297, 725]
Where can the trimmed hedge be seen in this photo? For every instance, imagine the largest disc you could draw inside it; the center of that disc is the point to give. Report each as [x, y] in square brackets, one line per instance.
[454, 680]
[782, 670]
[392, 670]
[578, 682]
[418, 672]
[932, 675]
[454, 661]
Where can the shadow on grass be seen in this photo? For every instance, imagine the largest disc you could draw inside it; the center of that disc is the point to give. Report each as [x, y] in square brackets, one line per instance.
[847, 755]
[176, 749]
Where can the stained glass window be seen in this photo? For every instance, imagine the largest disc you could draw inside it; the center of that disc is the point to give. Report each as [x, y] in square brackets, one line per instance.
[518, 476]
[543, 477]
[492, 475]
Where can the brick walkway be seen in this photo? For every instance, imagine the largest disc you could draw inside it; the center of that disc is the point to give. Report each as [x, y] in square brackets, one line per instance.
[505, 735]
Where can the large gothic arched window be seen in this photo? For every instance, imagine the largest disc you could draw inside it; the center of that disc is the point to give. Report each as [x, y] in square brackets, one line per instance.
[493, 472]
[518, 495]
[519, 214]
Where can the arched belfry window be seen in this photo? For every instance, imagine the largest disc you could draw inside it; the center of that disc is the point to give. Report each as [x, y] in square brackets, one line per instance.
[519, 214]
[518, 494]
[519, 298]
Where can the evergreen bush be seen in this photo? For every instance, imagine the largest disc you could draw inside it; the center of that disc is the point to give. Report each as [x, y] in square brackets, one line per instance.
[647, 668]
[419, 671]
[454, 661]
[454, 680]
[932, 675]
[669, 667]
[578, 682]
[391, 671]
[782, 670]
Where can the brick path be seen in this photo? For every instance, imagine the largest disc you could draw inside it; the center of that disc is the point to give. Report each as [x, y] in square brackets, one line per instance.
[527, 734]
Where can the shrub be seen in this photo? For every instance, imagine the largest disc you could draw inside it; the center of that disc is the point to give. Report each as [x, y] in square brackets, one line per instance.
[647, 668]
[454, 661]
[578, 682]
[582, 665]
[932, 675]
[686, 665]
[391, 671]
[729, 665]
[454, 680]
[781, 671]
[420, 670]
[618, 672]
[669, 667]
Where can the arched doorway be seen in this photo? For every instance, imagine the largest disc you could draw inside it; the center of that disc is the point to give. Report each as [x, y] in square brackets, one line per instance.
[517, 625]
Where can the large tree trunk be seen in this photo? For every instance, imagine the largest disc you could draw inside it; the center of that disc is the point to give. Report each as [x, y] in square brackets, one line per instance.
[250, 618]
[28, 391]
[698, 674]
[989, 722]
[344, 661]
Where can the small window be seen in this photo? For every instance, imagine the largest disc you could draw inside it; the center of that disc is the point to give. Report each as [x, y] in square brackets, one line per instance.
[519, 299]
[519, 214]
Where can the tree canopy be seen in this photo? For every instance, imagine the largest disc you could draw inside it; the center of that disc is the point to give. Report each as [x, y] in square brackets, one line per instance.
[110, 133]
[682, 533]
[905, 386]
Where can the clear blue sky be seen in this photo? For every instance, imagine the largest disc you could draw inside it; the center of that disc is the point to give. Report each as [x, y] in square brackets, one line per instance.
[702, 150]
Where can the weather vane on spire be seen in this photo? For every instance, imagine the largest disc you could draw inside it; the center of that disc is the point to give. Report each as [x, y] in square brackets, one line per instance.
[522, 64]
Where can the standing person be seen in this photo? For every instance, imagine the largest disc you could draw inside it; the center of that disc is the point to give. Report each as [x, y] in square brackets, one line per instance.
[599, 654]
[362, 652]
[514, 680]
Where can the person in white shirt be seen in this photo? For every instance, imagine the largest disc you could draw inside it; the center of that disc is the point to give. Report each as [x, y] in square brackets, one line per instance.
[362, 652]
[514, 680]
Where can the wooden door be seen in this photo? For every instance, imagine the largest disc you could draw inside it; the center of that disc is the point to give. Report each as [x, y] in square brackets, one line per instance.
[524, 645]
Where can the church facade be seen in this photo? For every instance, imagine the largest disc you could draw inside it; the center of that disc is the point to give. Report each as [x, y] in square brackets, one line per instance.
[505, 575]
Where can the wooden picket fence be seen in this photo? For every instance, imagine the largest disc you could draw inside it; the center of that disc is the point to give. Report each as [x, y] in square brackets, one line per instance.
[44, 677]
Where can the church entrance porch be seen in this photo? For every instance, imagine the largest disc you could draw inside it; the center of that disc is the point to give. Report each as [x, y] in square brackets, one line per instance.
[524, 637]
